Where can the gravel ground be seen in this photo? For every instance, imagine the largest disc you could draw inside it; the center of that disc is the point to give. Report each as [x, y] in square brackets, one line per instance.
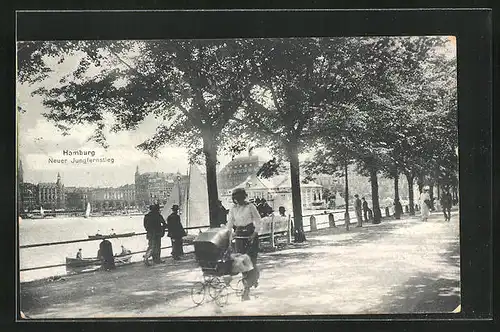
[398, 266]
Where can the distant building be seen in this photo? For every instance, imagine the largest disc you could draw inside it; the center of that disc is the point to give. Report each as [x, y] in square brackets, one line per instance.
[51, 195]
[154, 187]
[278, 192]
[77, 197]
[238, 170]
[112, 198]
[29, 196]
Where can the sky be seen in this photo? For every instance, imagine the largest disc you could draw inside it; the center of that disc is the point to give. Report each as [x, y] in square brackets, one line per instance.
[39, 140]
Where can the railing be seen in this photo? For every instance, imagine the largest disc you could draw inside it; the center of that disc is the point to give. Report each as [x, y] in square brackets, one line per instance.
[271, 229]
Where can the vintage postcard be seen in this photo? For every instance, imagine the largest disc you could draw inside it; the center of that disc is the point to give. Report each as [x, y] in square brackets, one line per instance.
[238, 177]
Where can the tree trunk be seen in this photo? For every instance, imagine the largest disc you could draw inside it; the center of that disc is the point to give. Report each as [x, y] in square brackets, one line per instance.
[397, 210]
[346, 198]
[431, 194]
[420, 183]
[293, 156]
[375, 202]
[210, 151]
[409, 178]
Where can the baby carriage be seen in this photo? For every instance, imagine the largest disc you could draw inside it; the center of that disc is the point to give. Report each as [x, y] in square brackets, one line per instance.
[213, 254]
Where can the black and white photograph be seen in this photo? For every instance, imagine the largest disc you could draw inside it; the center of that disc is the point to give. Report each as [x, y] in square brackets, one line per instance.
[238, 177]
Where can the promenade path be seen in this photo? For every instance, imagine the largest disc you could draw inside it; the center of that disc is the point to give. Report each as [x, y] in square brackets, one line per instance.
[398, 266]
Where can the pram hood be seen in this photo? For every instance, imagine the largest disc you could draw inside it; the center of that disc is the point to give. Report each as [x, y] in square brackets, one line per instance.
[216, 236]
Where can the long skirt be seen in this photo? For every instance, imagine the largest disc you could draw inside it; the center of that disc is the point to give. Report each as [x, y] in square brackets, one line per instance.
[425, 211]
[243, 246]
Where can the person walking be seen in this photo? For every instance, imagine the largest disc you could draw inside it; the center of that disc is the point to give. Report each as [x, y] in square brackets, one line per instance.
[425, 204]
[365, 208]
[243, 221]
[175, 232]
[446, 202]
[357, 207]
[155, 229]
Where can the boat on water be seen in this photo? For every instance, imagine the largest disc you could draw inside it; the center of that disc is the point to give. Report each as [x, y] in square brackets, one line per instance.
[192, 201]
[87, 211]
[86, 262]
[112, 235]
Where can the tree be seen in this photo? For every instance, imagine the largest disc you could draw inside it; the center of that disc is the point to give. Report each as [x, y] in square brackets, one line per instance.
[293, 91]
[191, 87]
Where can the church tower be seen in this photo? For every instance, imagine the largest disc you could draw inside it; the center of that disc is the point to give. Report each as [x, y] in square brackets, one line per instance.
[60, 192]
[20, 172]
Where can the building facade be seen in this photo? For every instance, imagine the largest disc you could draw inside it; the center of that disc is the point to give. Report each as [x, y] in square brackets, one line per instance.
[238, 170]
[155, 187]
[51, 195]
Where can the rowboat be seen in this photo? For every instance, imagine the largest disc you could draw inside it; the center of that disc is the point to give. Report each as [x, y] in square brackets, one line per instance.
[107, 236]
[86, 262]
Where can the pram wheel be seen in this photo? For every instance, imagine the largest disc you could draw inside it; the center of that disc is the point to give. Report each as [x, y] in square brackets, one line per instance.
[240, 286]
[198, 293]
[222, 296]
[214, 287]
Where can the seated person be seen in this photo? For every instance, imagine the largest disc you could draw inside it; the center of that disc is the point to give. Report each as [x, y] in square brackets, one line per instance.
[79, 254]
[125, 251]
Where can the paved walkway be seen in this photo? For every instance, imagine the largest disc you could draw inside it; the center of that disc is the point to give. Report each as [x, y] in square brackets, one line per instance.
[398, 266]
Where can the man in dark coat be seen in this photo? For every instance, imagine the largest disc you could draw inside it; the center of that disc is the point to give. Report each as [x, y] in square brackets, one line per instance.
[106, 255]
[365, 209]
[357, 208]
[175, 232]
[222, 213]
[446, 202]
[155, 228]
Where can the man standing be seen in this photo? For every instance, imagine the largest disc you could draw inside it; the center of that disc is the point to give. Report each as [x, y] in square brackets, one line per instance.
[175, 232]
[155, 228]
[446, 204]
[357, 207]
[221, 213]
[365, 209]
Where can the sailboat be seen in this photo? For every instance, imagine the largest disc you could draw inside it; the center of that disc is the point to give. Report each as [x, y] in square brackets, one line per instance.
[42, 213]
[192, 201]
[87, 211]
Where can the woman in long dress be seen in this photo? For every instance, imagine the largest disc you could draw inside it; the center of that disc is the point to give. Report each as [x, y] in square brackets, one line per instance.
[243, 220]
[425, 201]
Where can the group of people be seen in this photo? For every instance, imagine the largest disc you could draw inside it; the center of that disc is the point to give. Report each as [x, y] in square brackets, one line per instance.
[155, 227]
[362, 210]
[446, 202]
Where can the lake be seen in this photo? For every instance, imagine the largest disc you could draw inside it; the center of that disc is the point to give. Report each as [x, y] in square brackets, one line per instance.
[33, 231]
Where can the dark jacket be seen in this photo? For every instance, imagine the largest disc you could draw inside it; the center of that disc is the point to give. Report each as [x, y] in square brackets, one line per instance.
[357, 204]
[365, 206]
[446, 200]
[174, 226]
[154, 223]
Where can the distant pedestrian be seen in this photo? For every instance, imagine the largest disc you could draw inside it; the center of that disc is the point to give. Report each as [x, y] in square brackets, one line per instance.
[282, 211]
[221, 213]
[155, 228]
[425, 204]
[357, 207]
[79, 254]
[106, 255]
[175, 232]
[446, 202]
[365, 209]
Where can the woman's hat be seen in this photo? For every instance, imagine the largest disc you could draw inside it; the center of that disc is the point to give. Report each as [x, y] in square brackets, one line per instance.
[175, 207]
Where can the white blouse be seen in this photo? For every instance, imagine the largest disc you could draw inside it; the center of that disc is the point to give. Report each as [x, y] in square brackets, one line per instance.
[242, 215]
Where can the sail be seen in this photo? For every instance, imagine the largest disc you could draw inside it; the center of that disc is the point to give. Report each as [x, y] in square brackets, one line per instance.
[198, 213]
[175, 198]
[87, 211]
[41, 211]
